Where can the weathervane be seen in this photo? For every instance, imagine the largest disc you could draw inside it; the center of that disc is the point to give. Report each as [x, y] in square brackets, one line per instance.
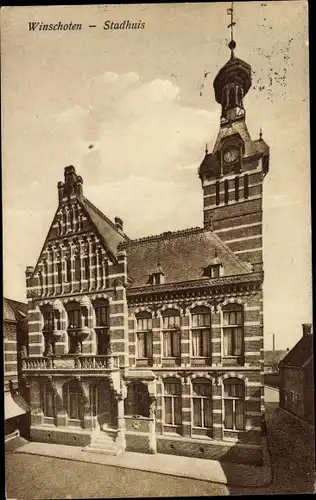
[232, 43]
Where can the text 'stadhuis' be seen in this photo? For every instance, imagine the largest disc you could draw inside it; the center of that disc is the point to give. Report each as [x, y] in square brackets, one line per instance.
[156, 345]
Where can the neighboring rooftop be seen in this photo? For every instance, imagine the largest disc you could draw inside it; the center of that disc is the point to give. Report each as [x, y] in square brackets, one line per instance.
[300, 353]
[272, 358]
[14, 310]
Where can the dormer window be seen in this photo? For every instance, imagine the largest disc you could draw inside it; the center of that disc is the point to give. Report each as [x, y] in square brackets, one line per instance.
[157, 276]
[215, 271]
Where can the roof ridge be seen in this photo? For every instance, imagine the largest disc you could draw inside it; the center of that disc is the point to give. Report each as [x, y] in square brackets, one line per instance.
[162, 236]
[106, 219]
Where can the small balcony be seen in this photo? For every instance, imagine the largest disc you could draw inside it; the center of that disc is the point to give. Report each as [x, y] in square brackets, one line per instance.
[71, 363]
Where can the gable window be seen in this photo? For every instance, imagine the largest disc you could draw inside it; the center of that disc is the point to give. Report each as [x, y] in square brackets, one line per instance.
[144, 337]
[68, 269]
[234, 404]
[77, 268]
[86, 265]
[233, 330]
[172, 402]
[202, 403]
[171, 334]
[59, 273]
[201, 332]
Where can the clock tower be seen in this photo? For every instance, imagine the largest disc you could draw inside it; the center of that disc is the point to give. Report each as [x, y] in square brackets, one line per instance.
[232, 174]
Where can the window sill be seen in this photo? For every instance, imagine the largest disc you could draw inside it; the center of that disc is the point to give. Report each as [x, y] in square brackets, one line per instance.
[235, 431]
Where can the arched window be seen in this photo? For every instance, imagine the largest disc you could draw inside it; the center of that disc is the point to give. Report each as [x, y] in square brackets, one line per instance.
[144, 335]
[202, 403]
[137, 401]
[234, 404]
[201, 332]
[172, 402]
[226, 194]
[233, 330]
[47, 400]
[171, 333]
[73, 400]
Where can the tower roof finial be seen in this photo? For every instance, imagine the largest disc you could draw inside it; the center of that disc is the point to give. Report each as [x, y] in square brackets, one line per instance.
[232, 43]
[260, 134]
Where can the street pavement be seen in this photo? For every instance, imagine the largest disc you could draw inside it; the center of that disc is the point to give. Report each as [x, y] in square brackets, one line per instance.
[291, 444]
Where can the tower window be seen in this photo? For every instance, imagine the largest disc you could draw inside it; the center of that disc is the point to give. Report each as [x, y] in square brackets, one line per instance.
[236, 188]
[59, 273]
[226, 191]
[246, 186]
[217, 192]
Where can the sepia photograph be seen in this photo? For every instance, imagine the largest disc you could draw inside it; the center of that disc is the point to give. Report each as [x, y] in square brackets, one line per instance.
[157, 270]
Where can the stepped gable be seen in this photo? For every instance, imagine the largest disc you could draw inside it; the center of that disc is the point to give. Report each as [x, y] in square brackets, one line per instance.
[183, 256]
[107, 230]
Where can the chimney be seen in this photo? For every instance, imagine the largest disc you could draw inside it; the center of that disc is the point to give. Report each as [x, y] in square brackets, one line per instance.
[118, 223]
[307, 329]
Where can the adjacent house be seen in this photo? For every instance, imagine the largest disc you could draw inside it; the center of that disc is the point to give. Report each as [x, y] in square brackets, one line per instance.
[297, 378]
[15, 336]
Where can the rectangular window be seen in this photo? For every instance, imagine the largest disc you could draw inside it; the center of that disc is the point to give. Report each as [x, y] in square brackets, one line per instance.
[68, 269]
[48, 402]
[201, 335]
[144, 345]
[74, 319]
[172, 403]
[101, 314]
[233, 333]
[171, 344]
[234, 406]
[217, 192]
[202, 405]
[48, 320]
[73, 406]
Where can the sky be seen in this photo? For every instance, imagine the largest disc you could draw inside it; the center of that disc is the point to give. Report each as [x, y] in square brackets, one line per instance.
[132, 111]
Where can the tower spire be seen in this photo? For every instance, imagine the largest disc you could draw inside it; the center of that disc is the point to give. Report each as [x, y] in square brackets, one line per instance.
[232, 43]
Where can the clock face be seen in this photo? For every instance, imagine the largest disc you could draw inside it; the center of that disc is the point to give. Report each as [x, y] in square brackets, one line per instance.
[231, 154]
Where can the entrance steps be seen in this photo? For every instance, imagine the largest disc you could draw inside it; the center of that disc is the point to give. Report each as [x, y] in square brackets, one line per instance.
[104, 443]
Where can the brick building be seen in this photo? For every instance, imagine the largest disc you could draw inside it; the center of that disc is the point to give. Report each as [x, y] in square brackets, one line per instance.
[15, 336]
[297, 378]
[156, 344]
